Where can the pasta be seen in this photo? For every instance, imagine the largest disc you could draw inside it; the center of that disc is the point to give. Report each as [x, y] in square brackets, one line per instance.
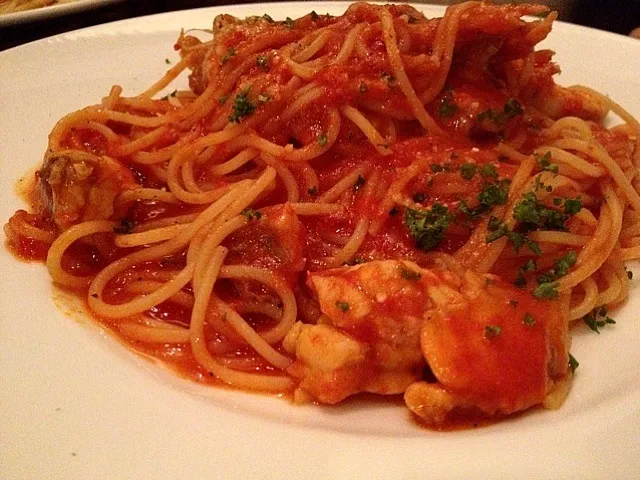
[374, 202]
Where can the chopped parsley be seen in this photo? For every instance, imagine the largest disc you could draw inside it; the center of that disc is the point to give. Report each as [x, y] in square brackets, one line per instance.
[223, 99]
[467, 170]
[546, 291]
[363, 88]
[529, 320]
[410, 274]
[419, 197]
[360, 181]
[252, 214]
[322, 139]
[597, 319]
[530, 266]
[267, 18]
[263, 62]
[229, 54]
[437, 167]
[242, 106]
[544, 162]
[572, 205]
[126, 226]
[447, 108]
[343, 306]
[560, 268]
[494, 193]
[390, 79]
[427, 227]
[289, 22]
[498, 229]
[534, 214]
[314, 15]
[411, 20]
[573, 363]
[513, 303]
[488, 171]
[313, 191]
[512, 108]
[492, 331]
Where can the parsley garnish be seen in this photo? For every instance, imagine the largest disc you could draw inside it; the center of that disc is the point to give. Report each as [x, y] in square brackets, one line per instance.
[411, 20]
[343, 306]
[223, 99]
[546, 290]
[322, 139]
[242, 106]
[427, 227]
[467, 170]
[560, 268]
[419, 197]
[263, 62]
[314, 15]
[230, 53]
[363, 87]
[499, 229]
[533, 213]
[512, 108]
[573, 363]
[530, 266]
[597, 319]
[572, 205]
[488, 171]
[492, 331]
[289, 22]
[513, 303]
[313, 191]
[529, 320]
[544, 162]
[267, 18]
[436, 167]
[447, 108]
[410, 274]
[126, 226]
[494, 193]
[390, 79]
[252, 214]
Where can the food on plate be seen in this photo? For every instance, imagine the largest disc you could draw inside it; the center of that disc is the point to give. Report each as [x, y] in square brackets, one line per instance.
[373, 202]
[13, 6]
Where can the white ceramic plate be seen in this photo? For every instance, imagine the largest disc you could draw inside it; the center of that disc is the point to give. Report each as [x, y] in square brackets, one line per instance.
[75, 404]
[64, 7]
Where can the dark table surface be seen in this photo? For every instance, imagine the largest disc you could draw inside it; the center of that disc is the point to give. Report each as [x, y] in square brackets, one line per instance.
[619, 16]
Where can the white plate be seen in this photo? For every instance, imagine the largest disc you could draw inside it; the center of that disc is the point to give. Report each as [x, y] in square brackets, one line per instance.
[64, 7]
[75, 404]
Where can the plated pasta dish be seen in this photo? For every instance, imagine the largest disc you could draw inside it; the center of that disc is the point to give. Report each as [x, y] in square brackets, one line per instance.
[376, 202]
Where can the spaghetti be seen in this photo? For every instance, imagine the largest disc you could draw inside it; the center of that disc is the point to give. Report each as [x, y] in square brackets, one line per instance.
[314, 213]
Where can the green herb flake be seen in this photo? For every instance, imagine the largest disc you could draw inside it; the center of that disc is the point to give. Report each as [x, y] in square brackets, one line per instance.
[289, 22]
[529, 320]
[513, 108]
[447, 108]
[222, 100]
[322, 139]
[410, 275]
[125, 227]
[229, 54]
[267, 18]
[167, 61]
[390, 79]
[419, 197]
[597, 319]
[572, 206]
[262, 61]
[544, 162]
[360, 181]
[313, 191]
[252, 214]
[560, 268]
[492, 331]
[314, 15]
[488, 171]
[573, 363]
[363, 88]
[494, 194]
[343, 306]
[242, 106]
[437, 167]
[513, 303]
[427, 227]
[467, 170]
[546, 291]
